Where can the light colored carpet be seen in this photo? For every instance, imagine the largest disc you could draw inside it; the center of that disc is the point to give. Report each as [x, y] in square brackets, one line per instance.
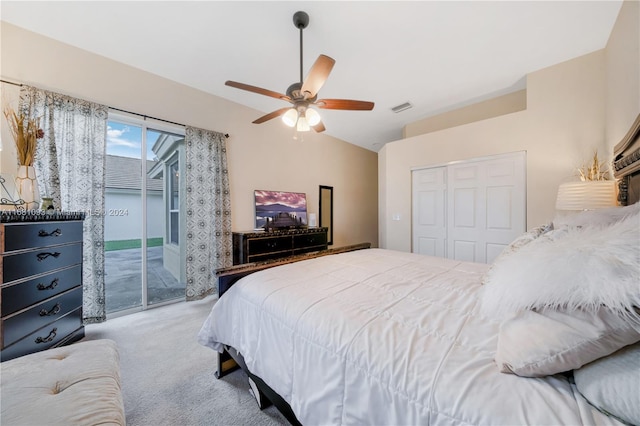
[168, 378]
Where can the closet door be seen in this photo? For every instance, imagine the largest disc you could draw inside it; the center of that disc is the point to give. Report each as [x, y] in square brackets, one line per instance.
[486, 207]
[429, 188]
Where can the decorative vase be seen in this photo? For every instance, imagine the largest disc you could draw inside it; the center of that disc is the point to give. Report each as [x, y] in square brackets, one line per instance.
[27, 187]
[8, 192]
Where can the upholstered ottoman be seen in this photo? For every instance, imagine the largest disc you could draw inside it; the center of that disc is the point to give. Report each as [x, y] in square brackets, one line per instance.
[71, 385]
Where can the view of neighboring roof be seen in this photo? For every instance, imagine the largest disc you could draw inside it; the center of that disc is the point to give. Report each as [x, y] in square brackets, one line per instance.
[124, 173]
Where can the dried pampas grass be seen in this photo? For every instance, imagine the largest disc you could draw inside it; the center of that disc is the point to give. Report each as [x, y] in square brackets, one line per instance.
[26, 132]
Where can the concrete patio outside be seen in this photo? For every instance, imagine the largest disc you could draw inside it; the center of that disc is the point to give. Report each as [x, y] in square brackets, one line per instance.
[123, 279]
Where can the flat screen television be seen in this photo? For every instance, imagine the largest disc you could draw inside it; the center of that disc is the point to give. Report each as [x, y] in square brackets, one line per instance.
[280, 210]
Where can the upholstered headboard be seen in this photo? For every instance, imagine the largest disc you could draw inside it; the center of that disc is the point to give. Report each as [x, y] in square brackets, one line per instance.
[626, 165]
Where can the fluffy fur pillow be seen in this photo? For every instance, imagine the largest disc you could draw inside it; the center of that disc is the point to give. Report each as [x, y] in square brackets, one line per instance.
[573, 268]
[520, 242]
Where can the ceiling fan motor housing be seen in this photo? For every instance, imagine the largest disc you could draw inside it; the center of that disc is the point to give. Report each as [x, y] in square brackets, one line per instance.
[295, 93]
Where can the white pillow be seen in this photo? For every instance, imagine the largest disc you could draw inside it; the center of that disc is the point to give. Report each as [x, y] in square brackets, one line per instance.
[579, 268]
[536, 344]
[612, 384]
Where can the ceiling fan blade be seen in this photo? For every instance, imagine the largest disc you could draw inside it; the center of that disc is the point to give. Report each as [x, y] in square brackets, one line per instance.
[271, 115]
[258, 90]
[344, 104]
[319, 127]
[317, 75]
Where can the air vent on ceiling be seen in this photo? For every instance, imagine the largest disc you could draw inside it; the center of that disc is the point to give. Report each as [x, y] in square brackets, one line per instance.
[402, 107]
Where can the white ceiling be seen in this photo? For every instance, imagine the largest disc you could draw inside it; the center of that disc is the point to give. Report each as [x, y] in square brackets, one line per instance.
[437, 55]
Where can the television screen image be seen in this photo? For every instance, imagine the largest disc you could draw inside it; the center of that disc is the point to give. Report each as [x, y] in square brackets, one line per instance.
[277, 209]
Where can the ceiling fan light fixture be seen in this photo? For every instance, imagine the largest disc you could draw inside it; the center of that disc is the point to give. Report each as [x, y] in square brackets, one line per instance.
[290, 117]
[312, 116]
[303, 125]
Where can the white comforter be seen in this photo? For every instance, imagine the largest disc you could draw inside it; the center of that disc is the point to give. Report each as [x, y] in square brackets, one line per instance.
[383, 338]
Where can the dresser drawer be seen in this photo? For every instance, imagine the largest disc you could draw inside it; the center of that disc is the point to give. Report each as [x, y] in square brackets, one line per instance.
[40, 315]
[19, 296]
[310, 240]
[45, 337]
[20, 236]
[258, 246]
[40, 261]
[269, 256]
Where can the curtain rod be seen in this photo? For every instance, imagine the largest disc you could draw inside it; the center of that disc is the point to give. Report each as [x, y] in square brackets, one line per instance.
[226, 135]
[11, 82]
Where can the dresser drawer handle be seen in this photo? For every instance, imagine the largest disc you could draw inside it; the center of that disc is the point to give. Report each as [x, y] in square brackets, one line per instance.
[54, 311]
[55, 233]
[43, 256]
[51, 286]
[50, 337]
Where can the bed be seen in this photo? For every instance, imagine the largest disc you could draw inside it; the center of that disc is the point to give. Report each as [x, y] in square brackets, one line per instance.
[381, 337]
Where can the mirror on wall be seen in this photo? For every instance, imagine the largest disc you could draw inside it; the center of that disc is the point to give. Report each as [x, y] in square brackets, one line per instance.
[326, 210]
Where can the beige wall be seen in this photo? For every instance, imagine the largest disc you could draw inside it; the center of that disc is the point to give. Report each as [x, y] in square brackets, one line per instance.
[8, 156]
[561, 127]
[505, 104]
[260, 156]
[622, 56]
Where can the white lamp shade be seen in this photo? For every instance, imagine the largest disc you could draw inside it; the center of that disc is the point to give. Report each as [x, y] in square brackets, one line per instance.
[587, 195]
[290, 117]
[312, 116]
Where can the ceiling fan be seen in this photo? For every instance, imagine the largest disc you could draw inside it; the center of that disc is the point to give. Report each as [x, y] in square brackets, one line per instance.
[302, 95]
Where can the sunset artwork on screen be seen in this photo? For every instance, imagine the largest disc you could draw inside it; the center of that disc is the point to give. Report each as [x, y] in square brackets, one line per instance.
[279, 210]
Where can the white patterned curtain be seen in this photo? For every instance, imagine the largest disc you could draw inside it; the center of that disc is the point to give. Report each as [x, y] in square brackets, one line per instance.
[208, 206]
[70, 164]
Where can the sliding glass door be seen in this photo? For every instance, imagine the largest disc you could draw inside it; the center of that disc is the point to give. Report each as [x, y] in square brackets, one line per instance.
[165, 250]
[143, 203]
